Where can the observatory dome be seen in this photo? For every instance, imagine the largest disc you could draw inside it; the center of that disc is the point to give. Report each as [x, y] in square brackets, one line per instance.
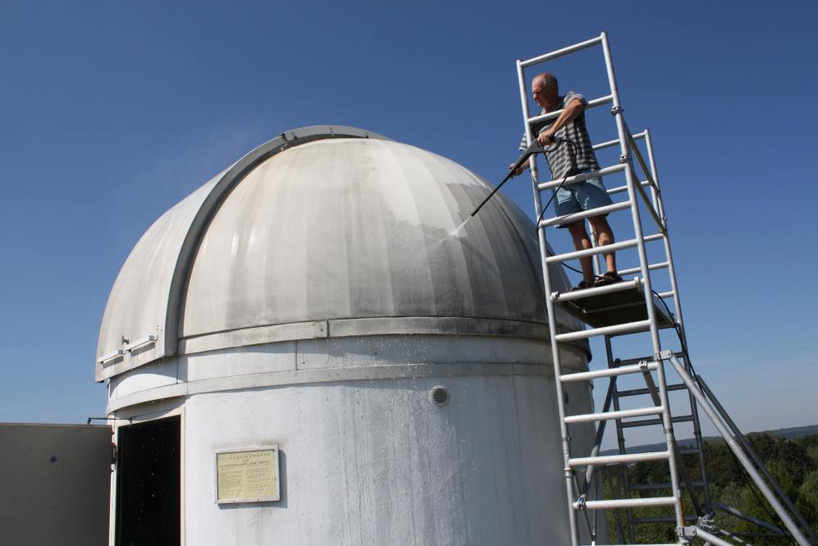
[323, 301]
[326, 232]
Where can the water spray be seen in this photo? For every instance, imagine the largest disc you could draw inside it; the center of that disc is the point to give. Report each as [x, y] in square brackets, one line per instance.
[534, 148]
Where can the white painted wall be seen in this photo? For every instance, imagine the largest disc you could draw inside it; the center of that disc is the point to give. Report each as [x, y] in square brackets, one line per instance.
[377, 463]
[366, 458]
[373, 461]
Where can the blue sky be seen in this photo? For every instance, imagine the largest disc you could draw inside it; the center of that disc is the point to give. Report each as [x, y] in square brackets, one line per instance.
[114, 111]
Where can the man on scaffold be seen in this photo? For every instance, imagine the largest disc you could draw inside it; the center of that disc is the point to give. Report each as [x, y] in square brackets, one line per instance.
[573, 155]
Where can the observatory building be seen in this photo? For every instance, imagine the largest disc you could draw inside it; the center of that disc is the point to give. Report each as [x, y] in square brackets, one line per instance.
[307, 350]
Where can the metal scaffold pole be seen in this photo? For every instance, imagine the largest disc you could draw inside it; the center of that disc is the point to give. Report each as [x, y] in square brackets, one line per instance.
[552, 320]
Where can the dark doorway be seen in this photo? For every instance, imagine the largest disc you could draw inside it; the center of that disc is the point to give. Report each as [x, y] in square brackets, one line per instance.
[147, 484]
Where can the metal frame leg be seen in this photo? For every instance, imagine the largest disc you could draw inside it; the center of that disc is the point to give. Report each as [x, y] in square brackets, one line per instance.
[552, 322]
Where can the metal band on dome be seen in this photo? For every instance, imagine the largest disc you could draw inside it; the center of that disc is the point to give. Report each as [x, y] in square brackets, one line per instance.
[214, 200]
[374, 326]
[375, 372]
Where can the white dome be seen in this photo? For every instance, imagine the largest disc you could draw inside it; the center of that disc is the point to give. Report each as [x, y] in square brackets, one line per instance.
[326, 232]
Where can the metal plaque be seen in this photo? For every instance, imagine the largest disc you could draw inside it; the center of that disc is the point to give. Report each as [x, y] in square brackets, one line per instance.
[247, 475]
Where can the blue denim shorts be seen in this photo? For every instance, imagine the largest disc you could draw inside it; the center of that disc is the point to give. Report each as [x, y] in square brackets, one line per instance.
[589, 194]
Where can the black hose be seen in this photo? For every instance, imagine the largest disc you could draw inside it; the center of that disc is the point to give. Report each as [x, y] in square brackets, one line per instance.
[564, 178]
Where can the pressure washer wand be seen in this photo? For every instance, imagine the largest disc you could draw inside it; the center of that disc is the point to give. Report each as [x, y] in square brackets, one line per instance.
[534, 148]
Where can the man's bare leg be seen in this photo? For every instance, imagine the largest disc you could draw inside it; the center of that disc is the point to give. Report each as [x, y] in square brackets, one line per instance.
[604, 236]
[583, 242]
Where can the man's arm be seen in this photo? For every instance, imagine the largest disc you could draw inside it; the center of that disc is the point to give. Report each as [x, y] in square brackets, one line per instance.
[569, 114]
[574, 108]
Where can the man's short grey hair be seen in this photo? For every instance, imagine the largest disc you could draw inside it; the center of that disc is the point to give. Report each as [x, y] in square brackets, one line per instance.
[548, 81]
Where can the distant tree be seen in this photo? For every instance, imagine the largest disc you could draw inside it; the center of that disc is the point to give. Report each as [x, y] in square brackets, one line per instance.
[807, 502]
[793, 463]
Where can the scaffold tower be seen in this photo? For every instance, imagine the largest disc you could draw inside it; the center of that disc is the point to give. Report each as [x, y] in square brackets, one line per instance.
[634, 309]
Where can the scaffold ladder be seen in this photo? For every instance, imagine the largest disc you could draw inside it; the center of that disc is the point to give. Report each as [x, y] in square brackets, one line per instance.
[633, 308]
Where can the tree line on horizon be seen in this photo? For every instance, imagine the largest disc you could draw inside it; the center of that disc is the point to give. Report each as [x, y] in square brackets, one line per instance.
[793, 463]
